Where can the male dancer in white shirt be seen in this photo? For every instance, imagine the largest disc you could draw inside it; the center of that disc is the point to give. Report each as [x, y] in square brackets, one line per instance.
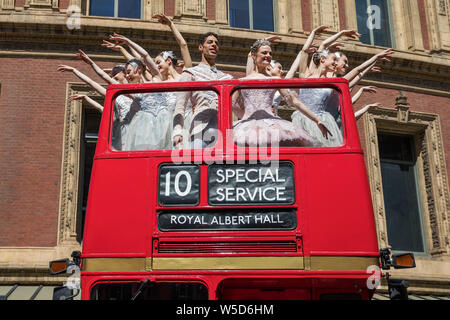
[204, 126]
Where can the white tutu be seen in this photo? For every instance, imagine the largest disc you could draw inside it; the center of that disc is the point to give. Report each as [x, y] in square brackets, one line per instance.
[313, 130]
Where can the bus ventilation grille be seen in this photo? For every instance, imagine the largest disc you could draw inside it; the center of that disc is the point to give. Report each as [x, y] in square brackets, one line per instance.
[227, 247]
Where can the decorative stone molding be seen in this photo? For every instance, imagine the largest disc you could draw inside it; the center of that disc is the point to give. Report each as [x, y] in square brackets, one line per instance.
[153, 7]
[42, 4]
[350, 13]
[190, 9]
[442, 7]
[433, 24]
[325, 12]
[7, 4]
[294, 16]
[431, 166]
[412, 25]
[222, 12]
[70, 168]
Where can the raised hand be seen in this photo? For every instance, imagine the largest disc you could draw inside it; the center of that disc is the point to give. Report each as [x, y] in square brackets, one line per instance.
[311, 50]
[375, 69]
[374, 105]
[321, 29]
[385, 55]
[163, 19]
[64, 68]
[370, 89]
[118, 39]
[77, 97]
[177, 140]
[335, 46]
[351, 34]
[110, 45]
[83, 56]
[273, 39]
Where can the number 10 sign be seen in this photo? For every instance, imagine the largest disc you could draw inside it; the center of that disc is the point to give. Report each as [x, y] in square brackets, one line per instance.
[179, 185]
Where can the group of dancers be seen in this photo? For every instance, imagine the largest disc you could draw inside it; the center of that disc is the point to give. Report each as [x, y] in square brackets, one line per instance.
[189, 119]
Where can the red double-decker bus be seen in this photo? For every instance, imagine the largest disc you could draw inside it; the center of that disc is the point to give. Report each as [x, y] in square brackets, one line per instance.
[227, 220]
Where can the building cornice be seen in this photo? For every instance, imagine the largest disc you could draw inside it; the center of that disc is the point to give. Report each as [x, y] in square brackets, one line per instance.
[53, 23]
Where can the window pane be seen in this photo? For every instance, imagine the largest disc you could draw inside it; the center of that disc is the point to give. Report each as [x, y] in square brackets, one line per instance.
[394, 147]
[239, 14]
[263, 15]
[382, 35]
[130, 9]
[362, 18]
[377, 18]
[263, 118]
[402, 207]
[104, 8]
[146, 121]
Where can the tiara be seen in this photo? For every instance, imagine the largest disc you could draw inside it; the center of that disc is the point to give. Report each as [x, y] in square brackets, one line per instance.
[167, 54]
[259, 43]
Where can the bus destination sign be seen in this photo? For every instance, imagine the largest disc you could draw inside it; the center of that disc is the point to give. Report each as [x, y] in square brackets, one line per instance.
[238, 219]
[251, 184]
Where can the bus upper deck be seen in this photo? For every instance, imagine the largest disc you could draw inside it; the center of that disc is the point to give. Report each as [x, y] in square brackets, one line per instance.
[232, 201]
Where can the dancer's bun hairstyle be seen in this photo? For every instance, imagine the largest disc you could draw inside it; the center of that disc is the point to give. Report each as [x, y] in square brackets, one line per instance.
[135, 63]
[318, 55]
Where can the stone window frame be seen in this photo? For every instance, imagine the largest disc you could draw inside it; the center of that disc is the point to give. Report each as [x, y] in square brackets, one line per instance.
[432, 173]
[68, 215]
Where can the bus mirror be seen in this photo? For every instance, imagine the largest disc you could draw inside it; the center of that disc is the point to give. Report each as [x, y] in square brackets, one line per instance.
[58, 266]
[403, 261]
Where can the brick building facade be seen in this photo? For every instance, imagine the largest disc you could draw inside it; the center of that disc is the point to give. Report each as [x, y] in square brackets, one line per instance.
[44, 136]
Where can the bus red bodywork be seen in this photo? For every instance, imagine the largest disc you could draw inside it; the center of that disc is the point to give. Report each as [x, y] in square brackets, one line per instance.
[326, 255]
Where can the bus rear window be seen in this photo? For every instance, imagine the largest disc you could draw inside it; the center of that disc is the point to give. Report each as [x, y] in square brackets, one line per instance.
[165, 120]
[152, 291]
[294, 117]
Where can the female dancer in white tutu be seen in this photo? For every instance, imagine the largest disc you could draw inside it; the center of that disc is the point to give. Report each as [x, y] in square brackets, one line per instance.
[323, 102]
[258, 126]
[151, 127]
[122, 113]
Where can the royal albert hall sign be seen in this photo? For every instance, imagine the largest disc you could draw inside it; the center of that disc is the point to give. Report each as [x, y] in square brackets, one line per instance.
[243, 185]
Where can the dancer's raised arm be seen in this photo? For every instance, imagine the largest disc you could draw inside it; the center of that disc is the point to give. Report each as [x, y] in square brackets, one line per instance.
[97, 87]
[360, 112]
[93, 103]
[151, 65]
[380, 56]
[301, 62]
[117, 47]
[370, 89]
[358, 78]
[186, 56]
[126, 54]
[83, 56]
[353, 34]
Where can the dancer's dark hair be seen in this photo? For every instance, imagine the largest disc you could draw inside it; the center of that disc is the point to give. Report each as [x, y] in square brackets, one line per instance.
[117, 69]
[135, 63]
[206, 35]
[318, 55]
